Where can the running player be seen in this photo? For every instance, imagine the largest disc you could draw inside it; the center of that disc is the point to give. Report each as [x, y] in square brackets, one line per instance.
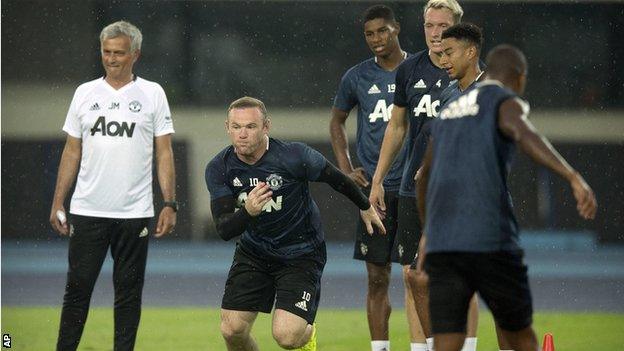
[259, 191]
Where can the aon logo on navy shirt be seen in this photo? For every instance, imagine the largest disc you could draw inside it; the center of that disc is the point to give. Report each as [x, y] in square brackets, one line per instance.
[381, 110]
[272, 205]
[426, 106]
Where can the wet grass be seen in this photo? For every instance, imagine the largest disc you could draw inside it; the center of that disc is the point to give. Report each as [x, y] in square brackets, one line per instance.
[191, 328]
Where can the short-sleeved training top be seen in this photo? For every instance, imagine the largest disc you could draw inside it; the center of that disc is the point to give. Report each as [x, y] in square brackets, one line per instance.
[371, 88]
[419, 84]
[117, 128]
[469, 206]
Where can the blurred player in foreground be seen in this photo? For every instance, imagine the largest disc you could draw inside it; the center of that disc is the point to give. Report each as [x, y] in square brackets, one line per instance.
[471, 232]
[259, 191]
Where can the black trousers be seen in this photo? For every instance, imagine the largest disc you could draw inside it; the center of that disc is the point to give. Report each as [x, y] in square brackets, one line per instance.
[88, 246]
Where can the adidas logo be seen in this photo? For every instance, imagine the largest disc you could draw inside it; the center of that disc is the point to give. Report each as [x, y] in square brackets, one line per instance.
[302, 304]
[420, 84]
[95, 107]
[237, 182]
[374, 89]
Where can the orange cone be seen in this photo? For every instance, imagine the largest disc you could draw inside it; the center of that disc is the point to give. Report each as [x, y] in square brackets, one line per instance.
[549, 344]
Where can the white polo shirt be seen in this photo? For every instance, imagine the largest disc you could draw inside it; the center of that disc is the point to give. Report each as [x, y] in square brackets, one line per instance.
[117, 128]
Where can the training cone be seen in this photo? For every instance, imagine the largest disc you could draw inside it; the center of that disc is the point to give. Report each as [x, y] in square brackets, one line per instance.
[549, 344]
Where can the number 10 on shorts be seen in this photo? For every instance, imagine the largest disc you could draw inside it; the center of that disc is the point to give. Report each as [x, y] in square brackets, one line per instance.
[306, 296]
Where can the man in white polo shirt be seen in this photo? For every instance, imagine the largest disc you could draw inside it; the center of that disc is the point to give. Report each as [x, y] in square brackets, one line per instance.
[112, 127]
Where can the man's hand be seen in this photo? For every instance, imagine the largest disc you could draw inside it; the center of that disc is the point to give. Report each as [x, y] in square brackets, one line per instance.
[359, 177]
[257, 198]
[58, 221]
[586, 204]
[376, 199]
[371, 218]
[166, 221]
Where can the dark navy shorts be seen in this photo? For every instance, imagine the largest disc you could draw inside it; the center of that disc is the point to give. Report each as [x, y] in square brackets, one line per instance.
[409, 231]
[256, 283]
[500, 278]
[378, 248]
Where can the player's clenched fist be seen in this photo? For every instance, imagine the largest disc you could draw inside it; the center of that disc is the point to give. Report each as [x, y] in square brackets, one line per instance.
[257, 198]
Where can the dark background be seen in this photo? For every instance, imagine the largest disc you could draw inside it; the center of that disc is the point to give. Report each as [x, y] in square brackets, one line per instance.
[292, 53]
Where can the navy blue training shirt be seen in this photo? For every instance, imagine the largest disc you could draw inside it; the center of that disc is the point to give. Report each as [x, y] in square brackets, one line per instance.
[371, 88]
[419, 84]
[289, 224]
[469, 206]
[453, 91]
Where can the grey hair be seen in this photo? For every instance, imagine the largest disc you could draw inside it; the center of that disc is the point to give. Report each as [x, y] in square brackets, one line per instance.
[451, 5]
[120, 28]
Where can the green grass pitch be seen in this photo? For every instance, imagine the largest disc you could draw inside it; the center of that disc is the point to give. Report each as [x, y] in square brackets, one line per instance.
[190, 328]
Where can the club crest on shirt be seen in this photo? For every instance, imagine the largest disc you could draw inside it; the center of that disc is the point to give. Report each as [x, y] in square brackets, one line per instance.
[135, 106]
[363, 249]
[275, 181]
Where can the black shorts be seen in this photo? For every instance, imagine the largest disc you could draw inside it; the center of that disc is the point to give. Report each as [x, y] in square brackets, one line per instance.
[378, 248]
[409, 232]
[500, 278]
[255, 283]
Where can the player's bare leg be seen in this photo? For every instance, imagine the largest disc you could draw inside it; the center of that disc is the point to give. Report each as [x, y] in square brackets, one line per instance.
[419, 283]
[522, 340]
[412, 309]
[449, 341]
[473, 317]
[289, 330]
[503, 344]
[236, 330]
[377, 301]
[420, 292]
[472, 324]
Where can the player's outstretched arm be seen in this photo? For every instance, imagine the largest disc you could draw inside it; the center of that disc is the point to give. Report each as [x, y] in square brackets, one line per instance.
[513, 122]
[340, 144]
[68, 169]
[390, 147]
[231, 223]
[166, 178]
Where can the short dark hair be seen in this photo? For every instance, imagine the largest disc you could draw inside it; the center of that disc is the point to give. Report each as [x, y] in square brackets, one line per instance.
[249, 102]
[378, 11]
[465, 31]
[506, 61]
